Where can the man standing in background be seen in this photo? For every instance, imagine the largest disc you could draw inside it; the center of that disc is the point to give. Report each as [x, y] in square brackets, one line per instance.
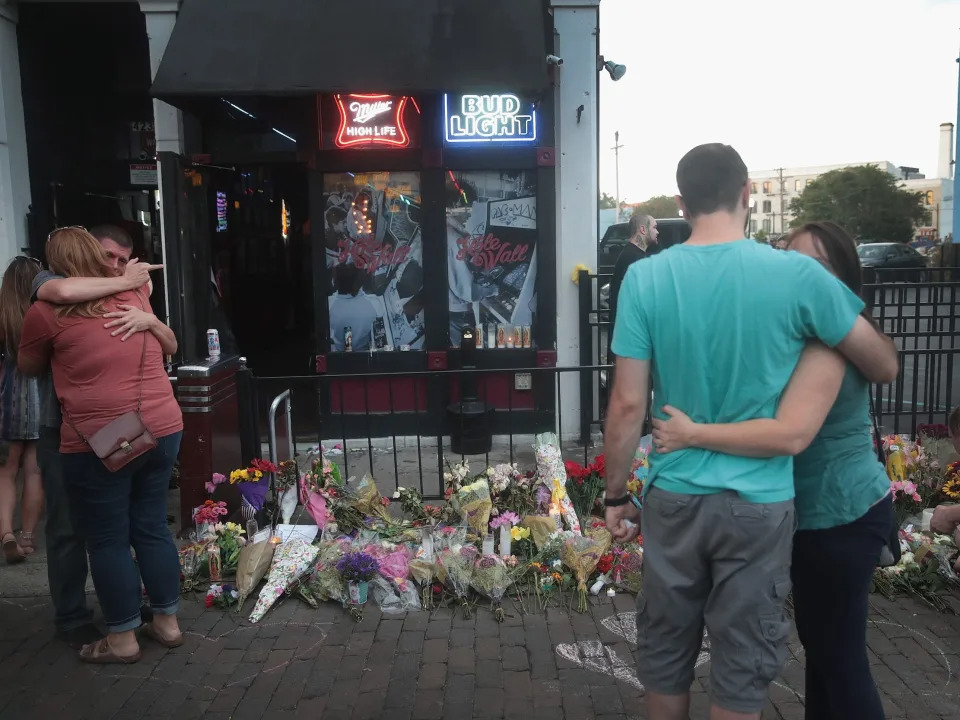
[642, 244]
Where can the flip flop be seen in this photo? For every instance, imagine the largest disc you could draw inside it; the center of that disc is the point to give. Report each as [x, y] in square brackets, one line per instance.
[12, 551]
[99, 653]
[150, 632]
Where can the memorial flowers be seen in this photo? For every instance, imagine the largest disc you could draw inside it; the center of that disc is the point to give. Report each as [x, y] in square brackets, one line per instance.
[250, 482]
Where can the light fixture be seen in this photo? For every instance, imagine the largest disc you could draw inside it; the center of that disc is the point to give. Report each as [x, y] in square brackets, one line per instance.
[615, 70]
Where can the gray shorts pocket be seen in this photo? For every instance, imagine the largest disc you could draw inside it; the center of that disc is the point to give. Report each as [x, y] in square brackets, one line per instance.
[774, 628]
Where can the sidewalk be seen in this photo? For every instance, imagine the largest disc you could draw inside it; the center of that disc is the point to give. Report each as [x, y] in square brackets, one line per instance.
[309, 663]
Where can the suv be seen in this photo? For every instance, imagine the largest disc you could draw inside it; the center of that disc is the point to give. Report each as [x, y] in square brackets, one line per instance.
[672, 231]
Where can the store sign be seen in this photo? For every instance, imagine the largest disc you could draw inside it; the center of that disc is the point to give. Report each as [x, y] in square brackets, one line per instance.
[143, 174]
[488, 118]
[371, 120]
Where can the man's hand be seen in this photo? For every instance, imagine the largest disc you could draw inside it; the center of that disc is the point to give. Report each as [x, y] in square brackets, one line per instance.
[946, 519]
[675, 433]
[137, 274]
[619, 529]
[130, 321]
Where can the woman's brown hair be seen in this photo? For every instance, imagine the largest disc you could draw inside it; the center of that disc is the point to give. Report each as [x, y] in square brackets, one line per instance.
[73, 252]
[15, 293]
[840, 249]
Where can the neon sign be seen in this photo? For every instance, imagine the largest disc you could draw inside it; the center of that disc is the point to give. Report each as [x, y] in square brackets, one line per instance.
[371, 120]
[221, 211]
[488, 118]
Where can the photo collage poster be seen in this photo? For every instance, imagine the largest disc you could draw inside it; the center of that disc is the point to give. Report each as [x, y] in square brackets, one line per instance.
[374, 254]
[491, 252]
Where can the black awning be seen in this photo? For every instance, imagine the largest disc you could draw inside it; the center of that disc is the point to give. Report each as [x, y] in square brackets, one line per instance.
[296, 47]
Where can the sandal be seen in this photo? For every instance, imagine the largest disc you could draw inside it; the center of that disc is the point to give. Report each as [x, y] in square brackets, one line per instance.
[26, 542]
[12, 550]
[150, 632]
[99, 653]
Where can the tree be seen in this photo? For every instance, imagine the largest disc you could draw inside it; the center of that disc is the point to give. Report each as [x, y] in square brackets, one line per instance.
[868, 202]
[607, 202]
[761, 235]
[659, 206]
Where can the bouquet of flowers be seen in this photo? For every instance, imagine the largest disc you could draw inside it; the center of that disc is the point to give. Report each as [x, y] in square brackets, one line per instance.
[951, 485]
[457, 563]
[584, 485]
[208, 515]
[423, 568]
[358, 567]
[290, 562]
[231, 541]
[223, 596]
[320, 488]
[473, 503]
[511, 490]
[582, 554]
[215, 480]
[915, 477]
[368, 500]
[252, 565]
[456, 477]
[491, 578]
[411, 502]
[250, 482]
[325, 580]
[553, 474]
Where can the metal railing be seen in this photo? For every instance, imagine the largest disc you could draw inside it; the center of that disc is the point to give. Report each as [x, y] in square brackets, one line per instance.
[405, 424]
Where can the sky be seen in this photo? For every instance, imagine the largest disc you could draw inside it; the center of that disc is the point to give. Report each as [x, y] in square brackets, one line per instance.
[787, 83]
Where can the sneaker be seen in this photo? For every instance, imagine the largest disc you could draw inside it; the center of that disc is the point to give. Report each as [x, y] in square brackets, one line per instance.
[80, 636]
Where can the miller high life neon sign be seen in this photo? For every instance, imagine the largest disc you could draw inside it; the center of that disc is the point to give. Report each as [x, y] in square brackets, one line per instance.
[371, 120]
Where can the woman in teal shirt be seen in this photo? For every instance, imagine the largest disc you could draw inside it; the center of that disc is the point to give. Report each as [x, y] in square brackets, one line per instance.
[843, 503]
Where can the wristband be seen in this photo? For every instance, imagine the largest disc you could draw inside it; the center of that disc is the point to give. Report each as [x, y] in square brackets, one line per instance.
[618, 502]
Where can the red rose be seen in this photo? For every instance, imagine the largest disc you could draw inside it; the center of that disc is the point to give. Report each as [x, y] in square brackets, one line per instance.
[208, 601]
[600, 466]
[574, 470]
[605, 563]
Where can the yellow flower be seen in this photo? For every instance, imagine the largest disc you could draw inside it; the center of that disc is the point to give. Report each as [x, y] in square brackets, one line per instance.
[633, 485]
[257, 474]
[952, 488]
[519, 533]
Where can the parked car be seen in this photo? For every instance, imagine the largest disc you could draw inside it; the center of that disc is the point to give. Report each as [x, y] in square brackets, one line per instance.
[889, 258]
[672, 231]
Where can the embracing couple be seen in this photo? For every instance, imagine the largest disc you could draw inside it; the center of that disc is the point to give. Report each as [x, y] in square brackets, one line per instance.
[756, 356]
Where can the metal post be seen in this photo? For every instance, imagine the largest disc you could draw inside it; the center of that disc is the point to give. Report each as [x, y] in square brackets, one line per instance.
[585, 288]
[616, 164]
[956, 174]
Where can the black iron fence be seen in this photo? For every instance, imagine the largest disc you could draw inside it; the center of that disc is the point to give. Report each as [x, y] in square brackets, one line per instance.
[411, 425]
[917, 307]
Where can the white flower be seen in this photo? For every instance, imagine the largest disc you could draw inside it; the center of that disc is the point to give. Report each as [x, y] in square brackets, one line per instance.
[907, 559]
[396, 495]
[447, 476]
[491, 472]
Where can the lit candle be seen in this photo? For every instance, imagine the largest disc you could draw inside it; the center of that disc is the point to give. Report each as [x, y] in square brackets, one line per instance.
[275, 540]
[504, 541]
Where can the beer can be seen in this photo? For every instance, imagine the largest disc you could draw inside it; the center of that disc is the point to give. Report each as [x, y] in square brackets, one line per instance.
[479, 336]
[526, 336]
[501, 336]
[348, 339]
[213, 343]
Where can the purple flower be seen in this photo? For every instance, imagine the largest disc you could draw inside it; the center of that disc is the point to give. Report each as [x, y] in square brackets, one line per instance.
[486, 561]
[543, 496]
[209, 487]
[507, 518]
[358, 567]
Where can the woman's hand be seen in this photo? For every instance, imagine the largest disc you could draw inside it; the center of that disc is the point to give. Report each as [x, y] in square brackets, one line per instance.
[675, 433]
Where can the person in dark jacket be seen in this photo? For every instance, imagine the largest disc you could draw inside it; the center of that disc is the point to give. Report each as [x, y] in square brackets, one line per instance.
[642, 244]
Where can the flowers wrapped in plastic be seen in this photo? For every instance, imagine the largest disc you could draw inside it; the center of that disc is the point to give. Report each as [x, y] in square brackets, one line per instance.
[582, 553]
[457, 562]
[252, 565]
[291, 561]
[491, 578]
[368, 499]
[474, 505]
[322, 482]
[552, 474]
[324, 580]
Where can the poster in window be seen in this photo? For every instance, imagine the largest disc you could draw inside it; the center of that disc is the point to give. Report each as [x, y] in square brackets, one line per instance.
[491, 252]
[374, 254]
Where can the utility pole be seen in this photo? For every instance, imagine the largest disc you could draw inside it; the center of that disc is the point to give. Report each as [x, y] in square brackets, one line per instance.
[616, 159]
[780, 174]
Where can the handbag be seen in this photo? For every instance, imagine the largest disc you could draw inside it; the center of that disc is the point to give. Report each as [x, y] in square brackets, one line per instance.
[121, 441]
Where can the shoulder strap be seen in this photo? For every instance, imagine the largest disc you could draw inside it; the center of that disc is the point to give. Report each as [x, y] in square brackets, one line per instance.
[876, 431]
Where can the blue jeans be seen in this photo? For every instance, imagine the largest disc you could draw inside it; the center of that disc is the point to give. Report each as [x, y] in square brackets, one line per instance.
[66, 551]
[117, 510]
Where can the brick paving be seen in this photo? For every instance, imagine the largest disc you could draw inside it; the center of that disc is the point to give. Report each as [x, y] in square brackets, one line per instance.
[304, 663]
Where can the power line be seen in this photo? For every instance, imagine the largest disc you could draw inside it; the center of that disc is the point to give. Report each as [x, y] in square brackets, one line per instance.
[616, 157]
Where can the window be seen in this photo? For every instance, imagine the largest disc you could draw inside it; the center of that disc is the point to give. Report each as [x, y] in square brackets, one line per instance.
[375, 260]
[767, 186]
[767, 225]
[797, 185]
[753, 188]
[753, 227]
[491, 246]
[928, 197]
[767, 206]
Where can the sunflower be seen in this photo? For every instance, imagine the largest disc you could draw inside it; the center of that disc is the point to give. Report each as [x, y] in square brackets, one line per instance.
[951, 488]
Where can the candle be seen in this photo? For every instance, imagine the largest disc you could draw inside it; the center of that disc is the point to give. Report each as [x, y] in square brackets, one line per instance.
[611, 592]
[504, 541]
[275, 540]
[488, 544]
[925, 520]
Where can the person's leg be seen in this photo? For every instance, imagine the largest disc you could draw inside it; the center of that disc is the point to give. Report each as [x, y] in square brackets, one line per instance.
[749, 549]
[8, 501]
[31, 501]
[810, 605]
[66, 550]
[670, 602]
[102, 502]
[156, 552]
[838, 647]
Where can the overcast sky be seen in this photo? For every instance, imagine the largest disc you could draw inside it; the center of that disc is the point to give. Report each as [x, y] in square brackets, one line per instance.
[787, 83]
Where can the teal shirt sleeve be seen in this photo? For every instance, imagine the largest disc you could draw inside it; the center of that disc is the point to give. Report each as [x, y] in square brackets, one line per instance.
[826, 308]
[631, 334]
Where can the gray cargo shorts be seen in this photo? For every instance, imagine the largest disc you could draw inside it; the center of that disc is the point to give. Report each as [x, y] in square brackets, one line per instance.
[724, 562]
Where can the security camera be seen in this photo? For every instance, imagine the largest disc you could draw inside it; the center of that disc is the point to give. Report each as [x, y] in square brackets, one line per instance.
[554, 60]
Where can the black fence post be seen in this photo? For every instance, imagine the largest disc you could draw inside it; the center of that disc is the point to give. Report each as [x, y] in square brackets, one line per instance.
[585, 288]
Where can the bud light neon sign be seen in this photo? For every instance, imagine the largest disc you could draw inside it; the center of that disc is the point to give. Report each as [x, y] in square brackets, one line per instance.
[488, 118]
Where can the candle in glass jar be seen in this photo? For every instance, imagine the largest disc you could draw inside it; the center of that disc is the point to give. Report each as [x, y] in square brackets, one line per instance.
[488, 544]
[504, 541]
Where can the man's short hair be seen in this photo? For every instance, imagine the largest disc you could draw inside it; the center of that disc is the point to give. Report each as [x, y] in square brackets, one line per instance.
[954, 421]
[637, 221]
[112, 232]
[711, 178]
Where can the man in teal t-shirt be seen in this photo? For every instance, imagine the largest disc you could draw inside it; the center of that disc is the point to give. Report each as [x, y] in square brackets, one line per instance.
[719, 322]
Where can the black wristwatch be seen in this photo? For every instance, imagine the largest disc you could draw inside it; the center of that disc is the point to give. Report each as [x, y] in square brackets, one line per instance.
[617, 502]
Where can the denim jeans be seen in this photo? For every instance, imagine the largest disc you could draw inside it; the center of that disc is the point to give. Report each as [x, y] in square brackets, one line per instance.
[832, 570]
[66, 551]
[117, 510]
